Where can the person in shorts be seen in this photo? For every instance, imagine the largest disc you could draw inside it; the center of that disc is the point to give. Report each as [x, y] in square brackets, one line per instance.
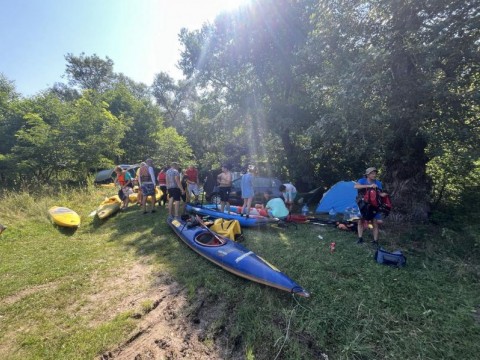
[191, 178]
[369, 181]
[224, 180]
[247, 190]
[125, 181]
[146, 180]
[174, 188]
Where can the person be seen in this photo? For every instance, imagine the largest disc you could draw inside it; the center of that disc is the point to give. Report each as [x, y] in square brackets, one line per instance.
[183, 181]
[2, 228]
[162, 183]
[174, 188]
[137, 183]
[289, 193]
[276, 208]
[369, 181]
[262, 208]
[224, 180]
[246, 185]
[125, 181]
[191, 177]
[146, 180]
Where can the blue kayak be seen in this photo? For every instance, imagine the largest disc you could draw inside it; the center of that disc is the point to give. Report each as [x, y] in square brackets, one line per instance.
[232, 256]
[213, 211]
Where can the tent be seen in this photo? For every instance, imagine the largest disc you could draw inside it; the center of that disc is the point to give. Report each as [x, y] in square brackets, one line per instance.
[340, 196]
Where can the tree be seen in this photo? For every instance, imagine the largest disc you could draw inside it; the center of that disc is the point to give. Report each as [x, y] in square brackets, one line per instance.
[89, 72]
[379, 64]
[248, 58]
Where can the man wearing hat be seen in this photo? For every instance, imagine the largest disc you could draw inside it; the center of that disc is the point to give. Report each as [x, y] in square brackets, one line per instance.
[369, 181]
[174, 188]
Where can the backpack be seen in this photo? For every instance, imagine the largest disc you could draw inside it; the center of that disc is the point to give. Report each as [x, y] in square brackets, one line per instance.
[385, 205]
[372, 203]
[395, 258]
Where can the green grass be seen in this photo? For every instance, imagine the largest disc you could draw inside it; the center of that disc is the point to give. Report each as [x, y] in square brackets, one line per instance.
[358, 309]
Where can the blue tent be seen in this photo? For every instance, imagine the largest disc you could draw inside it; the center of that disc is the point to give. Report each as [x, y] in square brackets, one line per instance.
[340, 196]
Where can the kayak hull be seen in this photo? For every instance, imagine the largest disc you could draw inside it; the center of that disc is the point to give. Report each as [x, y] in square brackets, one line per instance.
[234, 257]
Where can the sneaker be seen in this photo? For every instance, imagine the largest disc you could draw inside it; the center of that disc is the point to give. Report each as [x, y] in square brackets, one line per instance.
[145, 212]
[154, 211]
[375, 243]
[360, 241]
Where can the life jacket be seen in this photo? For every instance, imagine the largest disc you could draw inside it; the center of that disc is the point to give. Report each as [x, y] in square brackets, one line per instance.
[372, 197]
[372, 203]
[162, 178]
[121, 179]
[144, 175]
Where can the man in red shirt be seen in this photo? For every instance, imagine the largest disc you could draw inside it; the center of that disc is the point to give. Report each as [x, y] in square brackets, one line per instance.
[191, 175]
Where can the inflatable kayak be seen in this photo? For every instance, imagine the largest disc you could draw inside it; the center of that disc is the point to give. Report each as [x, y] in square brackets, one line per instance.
[232, 256]
[213, 211]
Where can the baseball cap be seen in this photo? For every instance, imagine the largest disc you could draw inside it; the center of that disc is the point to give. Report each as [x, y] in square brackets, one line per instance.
[370, 170]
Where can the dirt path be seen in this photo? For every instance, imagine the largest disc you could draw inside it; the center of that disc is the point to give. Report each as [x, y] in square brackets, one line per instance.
[171, 328]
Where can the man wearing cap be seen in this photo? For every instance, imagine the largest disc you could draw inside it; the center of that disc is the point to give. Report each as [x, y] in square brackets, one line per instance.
[369, 181]
[174, 188]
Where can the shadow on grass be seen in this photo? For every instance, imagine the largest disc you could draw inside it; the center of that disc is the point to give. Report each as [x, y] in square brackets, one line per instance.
[67, 231]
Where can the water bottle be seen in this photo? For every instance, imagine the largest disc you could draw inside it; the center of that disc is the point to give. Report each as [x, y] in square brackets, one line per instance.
[347, 214]
[332, 214]
[305, 209]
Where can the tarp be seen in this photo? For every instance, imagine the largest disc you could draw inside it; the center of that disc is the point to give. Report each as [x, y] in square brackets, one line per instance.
[340, 196]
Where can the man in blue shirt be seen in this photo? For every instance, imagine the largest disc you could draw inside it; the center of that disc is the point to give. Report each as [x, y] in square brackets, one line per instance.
[369, 181]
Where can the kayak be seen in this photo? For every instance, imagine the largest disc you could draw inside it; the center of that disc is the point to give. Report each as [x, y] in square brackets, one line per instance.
[213, 211]
[232, 256]
[108, 207]
[65, 217]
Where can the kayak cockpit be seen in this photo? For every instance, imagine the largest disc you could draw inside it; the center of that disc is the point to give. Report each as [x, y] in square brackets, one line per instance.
[209, 239]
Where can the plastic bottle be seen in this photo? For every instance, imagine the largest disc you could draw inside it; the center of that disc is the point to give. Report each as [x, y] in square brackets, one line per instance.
[332, 214]
[305, 209]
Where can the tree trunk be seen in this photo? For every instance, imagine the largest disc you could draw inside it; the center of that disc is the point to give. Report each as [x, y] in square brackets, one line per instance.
[406, 180]
[406, 177]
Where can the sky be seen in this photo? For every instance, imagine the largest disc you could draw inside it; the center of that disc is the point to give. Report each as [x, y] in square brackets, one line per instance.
[140, 36]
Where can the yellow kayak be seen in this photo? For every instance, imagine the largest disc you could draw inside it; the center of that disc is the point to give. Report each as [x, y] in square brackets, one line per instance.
[108, 207]
[65, 217]
[133, 197]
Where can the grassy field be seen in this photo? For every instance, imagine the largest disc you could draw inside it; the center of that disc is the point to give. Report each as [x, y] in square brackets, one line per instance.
[51, 281]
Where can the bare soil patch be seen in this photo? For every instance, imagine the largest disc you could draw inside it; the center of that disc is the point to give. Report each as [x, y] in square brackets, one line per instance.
[171, 327]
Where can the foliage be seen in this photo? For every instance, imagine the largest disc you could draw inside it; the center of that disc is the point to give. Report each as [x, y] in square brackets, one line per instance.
[65, 133]
[89, 72]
